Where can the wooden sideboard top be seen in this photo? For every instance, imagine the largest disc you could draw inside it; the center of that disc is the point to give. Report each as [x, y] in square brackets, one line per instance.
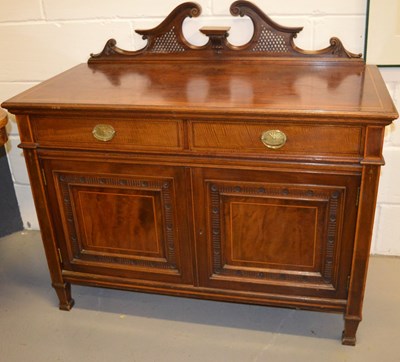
[247, 87]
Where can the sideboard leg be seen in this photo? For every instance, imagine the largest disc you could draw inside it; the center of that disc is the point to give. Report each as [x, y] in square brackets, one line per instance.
[350, 329]
[64, 295]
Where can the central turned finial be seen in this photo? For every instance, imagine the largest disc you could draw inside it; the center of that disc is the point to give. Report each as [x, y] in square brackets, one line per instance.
[217, 37]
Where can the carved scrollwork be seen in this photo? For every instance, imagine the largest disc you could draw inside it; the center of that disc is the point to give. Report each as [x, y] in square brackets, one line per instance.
[269, 39]
[274, 39]
[109, 49]
[269, 36]
[166, 38]
[338, 49]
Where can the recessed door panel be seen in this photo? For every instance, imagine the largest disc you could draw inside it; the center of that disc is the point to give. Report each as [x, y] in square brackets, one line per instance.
[119, 221]
[264, 232]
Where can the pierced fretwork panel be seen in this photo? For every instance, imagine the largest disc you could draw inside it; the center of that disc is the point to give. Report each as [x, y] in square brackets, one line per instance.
[271, 42]
[167, 43]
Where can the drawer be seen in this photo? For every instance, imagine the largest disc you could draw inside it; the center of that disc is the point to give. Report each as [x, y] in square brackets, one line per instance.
[274, 138]
[108, 134]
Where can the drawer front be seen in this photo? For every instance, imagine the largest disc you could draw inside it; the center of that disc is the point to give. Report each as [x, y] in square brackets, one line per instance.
[108, 134]
[275, 138]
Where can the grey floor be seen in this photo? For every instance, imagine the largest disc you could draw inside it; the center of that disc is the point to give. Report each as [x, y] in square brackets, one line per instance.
[109, 325]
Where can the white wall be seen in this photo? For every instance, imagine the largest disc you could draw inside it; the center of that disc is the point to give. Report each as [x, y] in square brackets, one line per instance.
[40, 38]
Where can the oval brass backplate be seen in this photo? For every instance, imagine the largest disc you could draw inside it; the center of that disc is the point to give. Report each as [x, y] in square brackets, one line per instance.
[273, 138]
[103, 132]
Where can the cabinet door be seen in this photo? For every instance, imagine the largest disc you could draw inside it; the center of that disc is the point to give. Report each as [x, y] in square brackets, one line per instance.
[277, 232]
[120, 219]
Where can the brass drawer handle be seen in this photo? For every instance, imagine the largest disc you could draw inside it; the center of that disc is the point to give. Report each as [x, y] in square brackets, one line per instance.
[273, 138]
[103, 132]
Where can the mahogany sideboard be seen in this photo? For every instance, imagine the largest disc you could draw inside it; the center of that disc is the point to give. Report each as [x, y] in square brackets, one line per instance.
[3, 123]
[236, 173]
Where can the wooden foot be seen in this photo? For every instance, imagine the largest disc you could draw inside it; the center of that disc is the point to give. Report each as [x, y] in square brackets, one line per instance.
[350, 329]
[64, 295]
